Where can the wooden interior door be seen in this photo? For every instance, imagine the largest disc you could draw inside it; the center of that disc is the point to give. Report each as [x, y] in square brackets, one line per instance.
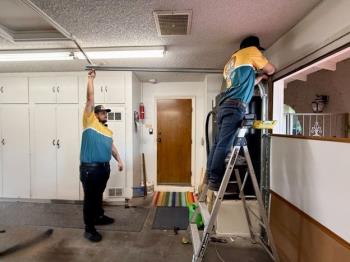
[174, 131]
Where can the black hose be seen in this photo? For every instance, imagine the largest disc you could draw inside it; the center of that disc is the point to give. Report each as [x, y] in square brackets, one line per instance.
[207, 132]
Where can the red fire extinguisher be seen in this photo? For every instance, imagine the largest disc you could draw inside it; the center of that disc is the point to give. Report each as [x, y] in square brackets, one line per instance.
[142, 111]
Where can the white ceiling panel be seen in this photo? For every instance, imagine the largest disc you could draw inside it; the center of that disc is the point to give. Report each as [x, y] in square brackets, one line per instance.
[216, 30]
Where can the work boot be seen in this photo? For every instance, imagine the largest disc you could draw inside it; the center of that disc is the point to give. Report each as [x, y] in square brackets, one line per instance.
[104, 220]
[92, 235]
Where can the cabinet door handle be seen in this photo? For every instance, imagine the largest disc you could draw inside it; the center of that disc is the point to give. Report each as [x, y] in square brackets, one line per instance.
[2, 89]
[54, 142]
[53, 89]
[3, 141]
[101, 89]
[58, 143]
[106, 88]
[58, 89]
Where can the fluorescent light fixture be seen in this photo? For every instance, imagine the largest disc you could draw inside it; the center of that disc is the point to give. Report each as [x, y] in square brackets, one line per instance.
[46, 55]
[35, 56]
[152, 52]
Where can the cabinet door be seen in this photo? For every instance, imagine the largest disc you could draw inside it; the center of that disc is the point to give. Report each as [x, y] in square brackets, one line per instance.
[42, 90]
[116, 123]
[43, 150]
[67, 89]
[15, 146]
[68, 152]
[99, 91]
[114, 87]
[14, 90]
[1, 147]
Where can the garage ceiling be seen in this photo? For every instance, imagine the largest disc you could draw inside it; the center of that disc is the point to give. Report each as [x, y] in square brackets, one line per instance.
[217, 28]
[19, 22]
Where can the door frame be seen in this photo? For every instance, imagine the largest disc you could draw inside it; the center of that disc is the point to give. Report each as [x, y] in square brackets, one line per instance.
[193, 138]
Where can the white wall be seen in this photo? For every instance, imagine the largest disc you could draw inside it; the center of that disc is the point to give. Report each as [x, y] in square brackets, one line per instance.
[133, 150]
[327, 22]
[278, 107]
[212, 86]
[136, 99]
[314, 176]
[150, 92]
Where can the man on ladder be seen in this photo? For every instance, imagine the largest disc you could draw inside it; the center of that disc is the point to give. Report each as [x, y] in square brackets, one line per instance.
[233, 124]
[240, 76]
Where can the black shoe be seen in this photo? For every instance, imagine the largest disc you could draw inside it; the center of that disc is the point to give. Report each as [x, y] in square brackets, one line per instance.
[92, 235]
[214, 186]
[104, 220]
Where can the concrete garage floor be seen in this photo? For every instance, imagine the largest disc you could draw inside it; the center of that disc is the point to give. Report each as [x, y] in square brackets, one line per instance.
[148, 245]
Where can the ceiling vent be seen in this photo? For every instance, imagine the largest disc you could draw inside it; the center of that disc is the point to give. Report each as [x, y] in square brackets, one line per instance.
[172, 23]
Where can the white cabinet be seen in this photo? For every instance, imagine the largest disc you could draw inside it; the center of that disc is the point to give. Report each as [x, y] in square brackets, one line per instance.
[53, 89]
[55, 153]
[15, 163]
[67, 89]
[43, 151]
[67, 152]
[1, 149]
[109, 87]
[13, 90]
[116, 122]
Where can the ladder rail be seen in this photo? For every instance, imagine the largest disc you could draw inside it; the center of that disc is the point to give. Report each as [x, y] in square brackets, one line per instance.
[241, 188]
[260, 201]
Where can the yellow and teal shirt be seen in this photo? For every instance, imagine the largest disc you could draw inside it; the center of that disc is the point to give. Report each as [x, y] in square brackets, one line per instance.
[96, 142]
[239, 73]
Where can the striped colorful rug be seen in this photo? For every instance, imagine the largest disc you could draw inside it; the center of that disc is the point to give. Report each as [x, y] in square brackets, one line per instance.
[173, 199]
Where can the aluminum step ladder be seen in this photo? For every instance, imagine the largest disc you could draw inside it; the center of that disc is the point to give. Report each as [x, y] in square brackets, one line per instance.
[199, 242]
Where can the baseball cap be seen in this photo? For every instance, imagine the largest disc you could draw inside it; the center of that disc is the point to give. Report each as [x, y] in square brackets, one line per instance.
[251, 41]
[100, 108]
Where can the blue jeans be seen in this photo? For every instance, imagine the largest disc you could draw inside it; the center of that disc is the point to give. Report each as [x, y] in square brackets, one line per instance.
[229, 119]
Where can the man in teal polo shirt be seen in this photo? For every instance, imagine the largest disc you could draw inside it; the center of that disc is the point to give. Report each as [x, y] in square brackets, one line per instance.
[240, 75]
[96, 151]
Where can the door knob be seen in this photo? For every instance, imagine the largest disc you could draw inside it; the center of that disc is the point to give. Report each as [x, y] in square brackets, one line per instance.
[159, 140]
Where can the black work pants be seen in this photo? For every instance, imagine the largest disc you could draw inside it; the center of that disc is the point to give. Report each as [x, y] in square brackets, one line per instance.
[94, 180]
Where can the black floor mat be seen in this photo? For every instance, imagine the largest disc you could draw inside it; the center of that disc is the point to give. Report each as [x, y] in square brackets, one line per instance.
[171, 217]
[68, 216]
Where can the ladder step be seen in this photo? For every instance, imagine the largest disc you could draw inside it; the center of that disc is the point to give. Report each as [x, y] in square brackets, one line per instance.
[204, 212]
[196, 241]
